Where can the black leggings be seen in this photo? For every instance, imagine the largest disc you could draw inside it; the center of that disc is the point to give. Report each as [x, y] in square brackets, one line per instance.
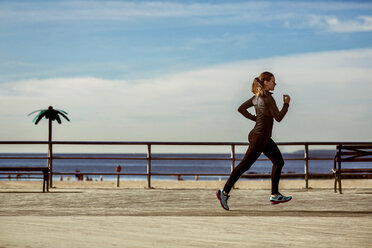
[257, 145]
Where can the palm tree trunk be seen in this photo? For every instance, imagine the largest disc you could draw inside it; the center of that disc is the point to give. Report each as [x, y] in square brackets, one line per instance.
[50, 154]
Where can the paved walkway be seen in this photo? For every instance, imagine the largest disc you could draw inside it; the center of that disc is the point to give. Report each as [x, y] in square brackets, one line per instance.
[183, 218]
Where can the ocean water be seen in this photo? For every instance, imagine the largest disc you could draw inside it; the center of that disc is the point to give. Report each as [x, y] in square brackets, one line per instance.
[169, 166]
[166, 166]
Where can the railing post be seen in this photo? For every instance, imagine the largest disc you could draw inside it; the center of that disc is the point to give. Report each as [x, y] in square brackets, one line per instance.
[118, 170]
[149, 166]
[50, 154]
[118, 180]
[306, 166]
[339, 169]
[232, 157]
[50, 164]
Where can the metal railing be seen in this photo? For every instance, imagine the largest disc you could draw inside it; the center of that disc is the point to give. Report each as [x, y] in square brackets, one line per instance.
[149, 157]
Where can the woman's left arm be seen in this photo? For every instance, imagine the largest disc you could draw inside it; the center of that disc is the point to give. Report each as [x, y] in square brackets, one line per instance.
[243, 109]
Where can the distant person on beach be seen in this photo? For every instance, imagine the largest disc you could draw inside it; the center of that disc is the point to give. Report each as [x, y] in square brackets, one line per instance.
[79, 176]
[260, 137]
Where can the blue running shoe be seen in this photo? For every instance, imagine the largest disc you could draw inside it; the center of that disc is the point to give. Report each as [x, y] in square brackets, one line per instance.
[223, 199]
[279, 199]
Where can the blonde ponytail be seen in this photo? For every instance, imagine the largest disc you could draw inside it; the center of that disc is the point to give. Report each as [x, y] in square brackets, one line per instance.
[258, 87]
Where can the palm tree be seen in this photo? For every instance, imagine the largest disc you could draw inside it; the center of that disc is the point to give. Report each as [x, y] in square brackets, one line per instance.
[51, 114]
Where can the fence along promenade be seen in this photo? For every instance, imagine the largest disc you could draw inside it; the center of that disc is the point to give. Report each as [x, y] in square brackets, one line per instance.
[149, 158]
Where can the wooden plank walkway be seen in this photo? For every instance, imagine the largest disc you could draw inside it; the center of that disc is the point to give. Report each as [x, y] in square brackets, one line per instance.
[184, 218]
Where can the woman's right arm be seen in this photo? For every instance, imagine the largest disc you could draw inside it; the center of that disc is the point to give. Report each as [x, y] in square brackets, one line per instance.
[243, 109]
[278, 115]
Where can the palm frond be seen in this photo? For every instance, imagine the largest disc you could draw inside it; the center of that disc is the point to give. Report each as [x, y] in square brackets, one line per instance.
[60, 110]
[40, 116]
[37, 116]
[58, 119]
[63, 115]
[35, 111]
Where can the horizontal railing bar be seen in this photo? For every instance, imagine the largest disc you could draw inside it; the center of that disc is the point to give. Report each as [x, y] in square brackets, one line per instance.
[23, 157]
[152, 174]
[20, 178]
[356, 170]
[171, 143]
[23, 168]
[317, 159]
[171, 174]
[100, 173]
[356, 160]
[137, 174]
[244, 175]
[168, 174]
[144, 158]
[24, 142]
[17, 173]
[153, 158]
[100, 158]
[355, 153]
[351, 147]
[237, 159]
[192, 159]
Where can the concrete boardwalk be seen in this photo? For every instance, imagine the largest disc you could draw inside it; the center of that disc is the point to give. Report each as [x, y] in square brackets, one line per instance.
[183, 218]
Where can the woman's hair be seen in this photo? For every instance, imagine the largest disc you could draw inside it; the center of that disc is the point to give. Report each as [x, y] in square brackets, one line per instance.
[258, 87]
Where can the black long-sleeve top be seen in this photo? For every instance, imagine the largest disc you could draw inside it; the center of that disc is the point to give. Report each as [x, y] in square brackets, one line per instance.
[266, 112]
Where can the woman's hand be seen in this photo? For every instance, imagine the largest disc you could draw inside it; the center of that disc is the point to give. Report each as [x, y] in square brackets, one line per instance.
[286, 99]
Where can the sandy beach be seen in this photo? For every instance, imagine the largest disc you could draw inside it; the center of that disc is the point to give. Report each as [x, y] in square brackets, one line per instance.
[184, 214]
[248, 184]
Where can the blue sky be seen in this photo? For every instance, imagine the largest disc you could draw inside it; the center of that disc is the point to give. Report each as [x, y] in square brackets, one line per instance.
[177, 70]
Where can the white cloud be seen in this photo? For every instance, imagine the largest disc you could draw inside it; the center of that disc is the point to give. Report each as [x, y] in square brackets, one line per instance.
[204, 13]
[330, 102]
[119, 10]
[334, 24]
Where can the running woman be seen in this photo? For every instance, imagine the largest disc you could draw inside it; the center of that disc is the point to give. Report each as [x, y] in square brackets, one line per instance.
[260, 137]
